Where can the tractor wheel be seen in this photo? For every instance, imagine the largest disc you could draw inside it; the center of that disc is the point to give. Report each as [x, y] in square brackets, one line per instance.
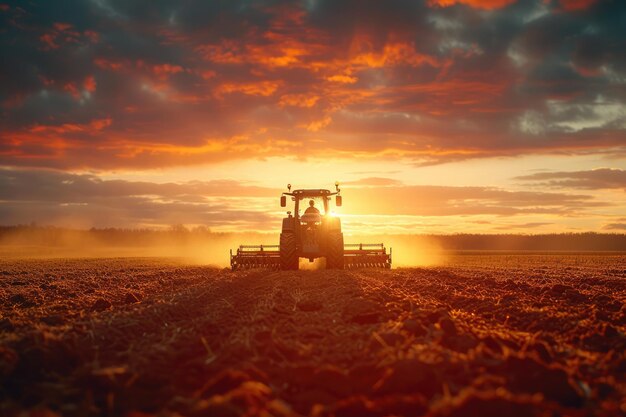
[334, 255]
[288, 252]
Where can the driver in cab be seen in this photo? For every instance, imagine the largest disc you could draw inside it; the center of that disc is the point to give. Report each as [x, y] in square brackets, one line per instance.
[312, 209]
[311, 214]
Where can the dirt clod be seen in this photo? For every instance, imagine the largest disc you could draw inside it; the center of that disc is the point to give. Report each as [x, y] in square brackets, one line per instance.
[22, 300]
[6, 325]
[101, 304]
[131, 298]
[448, 326]
[362, 311]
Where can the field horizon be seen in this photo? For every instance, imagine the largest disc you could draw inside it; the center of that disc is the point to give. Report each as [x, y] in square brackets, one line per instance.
[202, 246]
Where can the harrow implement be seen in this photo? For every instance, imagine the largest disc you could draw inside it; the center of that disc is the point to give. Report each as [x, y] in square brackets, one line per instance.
[366, 255]
[255, 256]
[355, 255]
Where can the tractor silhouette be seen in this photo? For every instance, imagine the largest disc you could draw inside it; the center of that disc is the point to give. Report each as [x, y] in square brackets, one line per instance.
[314, 234]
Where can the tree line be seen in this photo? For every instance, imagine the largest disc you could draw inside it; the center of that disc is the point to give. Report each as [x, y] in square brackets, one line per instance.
[58, 236]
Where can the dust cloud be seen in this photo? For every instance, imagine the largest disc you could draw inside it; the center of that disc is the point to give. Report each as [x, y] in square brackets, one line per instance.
[407, 250]
[210, 249]
[307, 265]
[201, 248]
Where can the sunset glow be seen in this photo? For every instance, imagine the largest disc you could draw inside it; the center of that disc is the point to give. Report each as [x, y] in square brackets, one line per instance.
[436, 116]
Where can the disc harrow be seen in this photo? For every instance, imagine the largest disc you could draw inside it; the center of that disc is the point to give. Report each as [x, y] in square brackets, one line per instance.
[366, 255]
[255, 256]
[355, 255]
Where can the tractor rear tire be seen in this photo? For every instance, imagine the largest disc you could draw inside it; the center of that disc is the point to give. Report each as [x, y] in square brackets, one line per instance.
[334, 254]
[288, 252]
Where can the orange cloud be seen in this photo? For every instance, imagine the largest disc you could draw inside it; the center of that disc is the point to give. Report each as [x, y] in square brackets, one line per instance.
[298, 100]
[208, 74]
[227, 52]
[287, 42]
[71, 88]
[261, 88]
[393, 53]
[164, 71]
[49, 41]
[278, 51]
[63, 33]
[94, 125]
[108, 64]
[479, 4]
[319, 124]
[90, 84]
[346, 79]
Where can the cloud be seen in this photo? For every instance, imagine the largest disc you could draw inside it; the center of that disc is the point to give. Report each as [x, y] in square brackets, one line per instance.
[481, 4]
[86, 200]
[428, 200]
[202, 82]
[58, 186]
[522, 226]
[83, 200]
[531, 225]
[374, 181]
[596, 179]
[615, 226]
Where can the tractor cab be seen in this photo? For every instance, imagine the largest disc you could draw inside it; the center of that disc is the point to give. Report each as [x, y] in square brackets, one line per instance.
[301, 198]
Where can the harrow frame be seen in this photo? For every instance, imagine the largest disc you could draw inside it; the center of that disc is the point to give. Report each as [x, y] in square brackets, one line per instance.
[367, 255]
[355, 255]
[255, 256]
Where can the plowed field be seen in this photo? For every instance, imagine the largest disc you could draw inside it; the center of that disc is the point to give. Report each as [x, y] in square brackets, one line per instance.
[501, 335]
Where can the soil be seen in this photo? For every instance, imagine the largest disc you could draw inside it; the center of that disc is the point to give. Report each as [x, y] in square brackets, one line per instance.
[484, 335]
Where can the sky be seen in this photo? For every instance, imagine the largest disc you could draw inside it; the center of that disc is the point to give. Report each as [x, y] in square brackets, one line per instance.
[436, 116]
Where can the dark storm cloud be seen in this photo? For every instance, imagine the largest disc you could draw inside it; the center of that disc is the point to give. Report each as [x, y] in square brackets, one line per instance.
[596, 179]
[202, 81]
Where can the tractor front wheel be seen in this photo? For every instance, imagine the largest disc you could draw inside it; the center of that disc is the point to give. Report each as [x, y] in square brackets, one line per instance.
[334, 255]
[288, 252]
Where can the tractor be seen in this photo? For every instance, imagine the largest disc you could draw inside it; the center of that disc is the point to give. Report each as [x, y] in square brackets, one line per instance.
[311, 234]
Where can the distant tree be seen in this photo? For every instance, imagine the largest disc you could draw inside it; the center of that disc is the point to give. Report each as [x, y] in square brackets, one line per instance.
[201, 229]
[179, 228]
